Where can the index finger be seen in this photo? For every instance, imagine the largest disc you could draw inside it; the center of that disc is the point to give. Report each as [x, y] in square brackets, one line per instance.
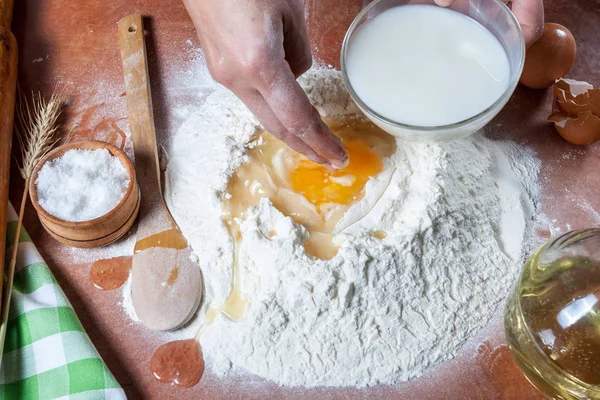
[288, 101]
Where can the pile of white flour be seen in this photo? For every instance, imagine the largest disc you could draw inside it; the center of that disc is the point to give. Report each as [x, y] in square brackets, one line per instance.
[458, 218]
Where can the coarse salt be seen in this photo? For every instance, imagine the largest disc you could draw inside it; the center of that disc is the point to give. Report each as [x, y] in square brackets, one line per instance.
[82, 184]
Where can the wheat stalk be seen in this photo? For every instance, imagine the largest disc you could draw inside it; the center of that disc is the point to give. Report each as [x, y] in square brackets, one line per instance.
[38, 130]
[37, 135]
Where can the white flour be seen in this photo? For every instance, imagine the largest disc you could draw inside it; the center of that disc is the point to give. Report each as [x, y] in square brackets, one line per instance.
[457, 215]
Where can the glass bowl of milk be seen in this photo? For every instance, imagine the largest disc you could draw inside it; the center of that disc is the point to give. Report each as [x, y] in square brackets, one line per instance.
[424, 72]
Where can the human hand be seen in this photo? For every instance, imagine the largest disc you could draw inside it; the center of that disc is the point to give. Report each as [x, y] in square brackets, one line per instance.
[257, 49]
[529, 13]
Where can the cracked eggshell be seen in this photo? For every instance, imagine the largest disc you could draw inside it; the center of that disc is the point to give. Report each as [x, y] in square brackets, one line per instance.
[582, 129]
[576, 111]
[573, 97]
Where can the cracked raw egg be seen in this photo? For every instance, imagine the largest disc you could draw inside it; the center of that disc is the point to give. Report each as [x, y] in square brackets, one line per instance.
[321, 186]
[576, 111]
[308, 193]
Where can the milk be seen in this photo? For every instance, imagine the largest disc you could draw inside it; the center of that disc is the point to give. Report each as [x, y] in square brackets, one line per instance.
[426, 65]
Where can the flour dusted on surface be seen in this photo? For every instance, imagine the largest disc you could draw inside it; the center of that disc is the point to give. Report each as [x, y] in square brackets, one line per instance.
[456, 216]
[82, 184]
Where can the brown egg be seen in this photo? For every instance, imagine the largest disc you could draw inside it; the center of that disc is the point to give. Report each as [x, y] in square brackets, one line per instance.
[549, 58]
[576, 111]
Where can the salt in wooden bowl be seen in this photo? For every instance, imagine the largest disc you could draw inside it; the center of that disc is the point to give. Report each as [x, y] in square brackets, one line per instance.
[100, 231]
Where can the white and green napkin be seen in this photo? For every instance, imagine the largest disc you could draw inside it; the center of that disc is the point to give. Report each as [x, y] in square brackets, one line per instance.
[47, 354]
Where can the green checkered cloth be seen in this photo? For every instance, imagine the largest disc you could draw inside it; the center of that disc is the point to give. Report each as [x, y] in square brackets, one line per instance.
[47, 354]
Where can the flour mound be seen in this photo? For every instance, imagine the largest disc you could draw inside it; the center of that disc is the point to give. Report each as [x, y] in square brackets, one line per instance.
[457, 217]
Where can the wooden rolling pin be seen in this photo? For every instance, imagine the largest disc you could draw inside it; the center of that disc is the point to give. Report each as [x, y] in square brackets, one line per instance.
[8, 83]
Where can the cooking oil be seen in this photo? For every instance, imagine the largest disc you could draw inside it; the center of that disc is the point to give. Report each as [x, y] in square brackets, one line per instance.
[552, 319]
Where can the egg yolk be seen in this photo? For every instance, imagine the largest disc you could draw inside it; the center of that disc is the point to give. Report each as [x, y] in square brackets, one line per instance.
[321, 186]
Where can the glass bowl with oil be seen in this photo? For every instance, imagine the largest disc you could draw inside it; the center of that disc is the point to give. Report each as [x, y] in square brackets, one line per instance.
[552, 319]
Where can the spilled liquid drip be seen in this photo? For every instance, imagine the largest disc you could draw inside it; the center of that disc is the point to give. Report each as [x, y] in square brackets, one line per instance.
[169, 239]
[380, 234]
[179, 362]
[173, 276]
[111, 273]
[234, 305]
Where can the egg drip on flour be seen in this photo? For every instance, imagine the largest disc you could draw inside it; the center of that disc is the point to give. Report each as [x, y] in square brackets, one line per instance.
[305, 191]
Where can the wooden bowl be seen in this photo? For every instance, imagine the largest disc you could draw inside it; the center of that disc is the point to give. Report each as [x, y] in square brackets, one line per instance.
[99, 231]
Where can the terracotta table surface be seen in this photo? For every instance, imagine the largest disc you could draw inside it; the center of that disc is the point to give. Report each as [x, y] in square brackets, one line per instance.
[72, 45]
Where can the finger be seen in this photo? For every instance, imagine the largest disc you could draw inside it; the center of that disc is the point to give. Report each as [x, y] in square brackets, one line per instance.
[291, 106]
[259, 107]
[296, 44]
[530, 14]
[457, 5]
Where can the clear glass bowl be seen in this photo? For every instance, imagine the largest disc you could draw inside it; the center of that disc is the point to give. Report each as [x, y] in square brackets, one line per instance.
[552, 319]
[493, 15]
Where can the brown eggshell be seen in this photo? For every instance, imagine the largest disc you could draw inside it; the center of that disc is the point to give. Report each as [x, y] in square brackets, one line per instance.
[581, 130]
[573, 97]
[576, 111]
[549, 58]
[594, 95]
